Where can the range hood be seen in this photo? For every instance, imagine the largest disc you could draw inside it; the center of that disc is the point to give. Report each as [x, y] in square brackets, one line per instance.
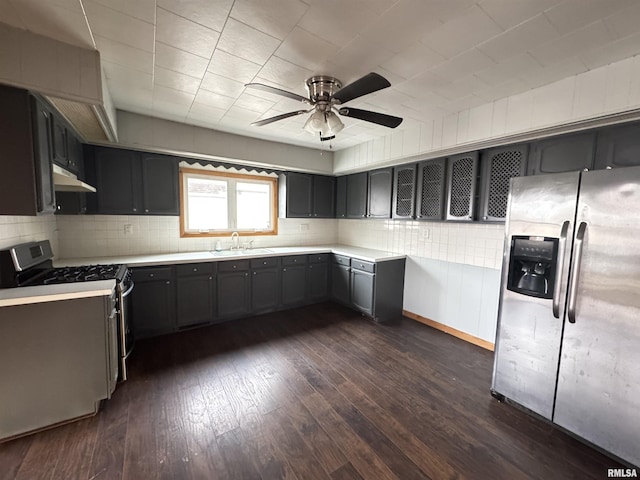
[64, 181]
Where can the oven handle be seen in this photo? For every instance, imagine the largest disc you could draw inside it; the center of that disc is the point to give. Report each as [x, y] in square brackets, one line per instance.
[123, 338]
[129, 290]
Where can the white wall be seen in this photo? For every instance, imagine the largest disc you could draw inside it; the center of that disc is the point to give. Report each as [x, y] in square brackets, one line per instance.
[103, 235]
[15, 230]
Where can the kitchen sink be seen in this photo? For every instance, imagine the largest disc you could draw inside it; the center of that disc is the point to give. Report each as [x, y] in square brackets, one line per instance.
[237, 253]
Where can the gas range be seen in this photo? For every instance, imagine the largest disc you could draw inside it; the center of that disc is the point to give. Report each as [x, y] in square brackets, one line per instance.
[84, 273]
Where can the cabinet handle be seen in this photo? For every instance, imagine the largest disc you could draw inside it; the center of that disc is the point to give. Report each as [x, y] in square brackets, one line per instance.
[151, 275]
[195, 269]
[168, 282]
[235, 266]
[135, 209]
[361, 265]
[284, 269]
[264, 263]
[210, 278]
[254, 273]
[295, 260]
[485, 218]
[246, 274]
[146, 210]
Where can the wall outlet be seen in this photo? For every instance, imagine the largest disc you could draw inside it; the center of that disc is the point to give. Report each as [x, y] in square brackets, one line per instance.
[128, 229]
[425, 234]
[304, 227]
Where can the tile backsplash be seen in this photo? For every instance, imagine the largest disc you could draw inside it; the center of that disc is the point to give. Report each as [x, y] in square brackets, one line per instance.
[115, 235]
[16, 229]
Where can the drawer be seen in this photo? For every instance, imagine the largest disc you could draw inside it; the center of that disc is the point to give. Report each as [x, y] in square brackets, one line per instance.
[319, 258]
[264, 262]
[233, 265]
[294, 260]
[342, 260]
[187, 269]
[151, 274]
[362, 265]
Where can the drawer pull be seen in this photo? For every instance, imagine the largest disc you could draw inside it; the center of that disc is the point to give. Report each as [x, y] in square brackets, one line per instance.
[195, 269]
[235, 266]
[264, 263]
[151, 275]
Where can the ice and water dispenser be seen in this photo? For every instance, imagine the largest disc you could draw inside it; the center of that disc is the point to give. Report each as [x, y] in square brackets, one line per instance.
[532, 266]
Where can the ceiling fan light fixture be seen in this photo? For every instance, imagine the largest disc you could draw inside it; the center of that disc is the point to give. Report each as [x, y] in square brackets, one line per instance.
[315, 123]
[334, 123]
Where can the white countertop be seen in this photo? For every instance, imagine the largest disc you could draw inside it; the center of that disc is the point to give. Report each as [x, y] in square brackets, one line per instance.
[53, 293]
[207, 256]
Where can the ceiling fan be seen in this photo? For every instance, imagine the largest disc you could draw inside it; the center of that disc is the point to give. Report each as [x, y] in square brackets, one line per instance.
[326, 97]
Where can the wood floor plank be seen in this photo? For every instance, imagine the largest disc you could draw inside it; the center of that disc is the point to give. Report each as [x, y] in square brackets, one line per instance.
[12, 455]
[74, 460]
[237, 462]
[346, 472]
[40, 461]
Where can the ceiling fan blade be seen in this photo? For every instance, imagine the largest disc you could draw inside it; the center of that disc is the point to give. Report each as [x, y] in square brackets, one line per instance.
[278, 91]
[269, 120]
[373, 117]
[370, 83]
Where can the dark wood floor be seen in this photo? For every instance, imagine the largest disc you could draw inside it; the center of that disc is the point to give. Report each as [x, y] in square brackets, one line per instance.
[318, 392]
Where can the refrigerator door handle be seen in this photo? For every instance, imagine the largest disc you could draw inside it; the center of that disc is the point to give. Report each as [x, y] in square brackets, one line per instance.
[562, 245]
[575, 272]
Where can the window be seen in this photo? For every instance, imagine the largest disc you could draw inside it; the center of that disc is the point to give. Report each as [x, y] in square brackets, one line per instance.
[218, 203]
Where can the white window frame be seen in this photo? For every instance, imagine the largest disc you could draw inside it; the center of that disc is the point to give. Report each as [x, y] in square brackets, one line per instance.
[232, 179]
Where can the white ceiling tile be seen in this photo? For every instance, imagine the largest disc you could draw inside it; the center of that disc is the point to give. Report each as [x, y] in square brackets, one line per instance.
[251, 102]
[230, 66]
[205, 113]
[144, 10]
[241, 113]
[170, 95]
[509, 13]
[624, 22]
[123, 75]
[285, 73]
[305, 49]
[245, 42]
[357, 59]
[210, 13]
[180, 61]
[464, 31]
[520, 39]
[551, 73]
[175, 80]
[612, 52]
[503, 90]
[125, 55]
[513, 67]
[464, 64]
[185, 34]
[126, 94]
[462, 87]
[422, 84]
[571, 15]
[416, 58]
[120, 27]
[213, 99]
[586, 38]
[275, 17]
[222, 85]
[170, 110]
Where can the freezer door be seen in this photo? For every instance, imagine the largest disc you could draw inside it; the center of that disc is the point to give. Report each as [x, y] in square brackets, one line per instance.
[599, 378]
[528, 337]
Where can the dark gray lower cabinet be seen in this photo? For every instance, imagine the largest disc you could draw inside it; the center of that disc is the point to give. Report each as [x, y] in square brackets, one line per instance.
[362, 290]
[265, 284]
[153, 301]
[318, 277]
[340, 283]
[294, 280]
[233, 290]
[196, 294]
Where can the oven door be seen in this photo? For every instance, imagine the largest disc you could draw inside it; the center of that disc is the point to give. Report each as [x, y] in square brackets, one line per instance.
[125, 328]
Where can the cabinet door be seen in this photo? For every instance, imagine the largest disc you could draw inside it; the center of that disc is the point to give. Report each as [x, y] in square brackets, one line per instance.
[153, 307]
[71, 203]
[159, 184]
[294, 285]
[341, 197]
[462, 177]
[404, 191]
[431, 179]
[117, 181]
[618, 147]
[59, 139]
[324, 196]
[75, 159]
[565, 153]
[340, 282]
[499, 165]
[357, 195]
[233, 295]
[265, 290]
[299, 195]
[318, 281]
[362, 288]
[195, 300]
[46, 198]
[380, 191]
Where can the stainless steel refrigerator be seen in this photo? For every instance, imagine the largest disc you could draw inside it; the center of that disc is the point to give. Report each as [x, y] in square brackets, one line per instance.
[568, 340]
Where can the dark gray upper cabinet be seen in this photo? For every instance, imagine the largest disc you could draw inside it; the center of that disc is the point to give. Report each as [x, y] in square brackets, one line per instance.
[307, 195]
[341, 197]
[131, 183]
[195, 294]
[462, 176]
[357, 195]
[26, 183]
[618, 146]
[75, 157]
[71, 203]
[565, 153]
[159, 184]
[404, 191]
[380, 192]
[59, 137]
[430, 191]
[499, 165]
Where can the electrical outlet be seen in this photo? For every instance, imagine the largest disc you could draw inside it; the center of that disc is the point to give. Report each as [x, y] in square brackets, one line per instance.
[425, 234]
[304, 227]
[128, 229]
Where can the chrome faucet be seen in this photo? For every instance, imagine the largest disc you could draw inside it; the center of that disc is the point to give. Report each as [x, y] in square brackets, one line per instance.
[235, 241]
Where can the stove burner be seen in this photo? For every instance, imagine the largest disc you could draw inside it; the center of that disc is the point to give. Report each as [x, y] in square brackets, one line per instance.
[81, 274]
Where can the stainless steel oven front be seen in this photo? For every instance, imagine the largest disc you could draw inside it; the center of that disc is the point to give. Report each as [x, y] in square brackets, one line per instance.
[125, 328]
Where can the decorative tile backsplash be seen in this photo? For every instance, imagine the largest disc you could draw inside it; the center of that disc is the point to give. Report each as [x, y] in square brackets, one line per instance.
[15, 230]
